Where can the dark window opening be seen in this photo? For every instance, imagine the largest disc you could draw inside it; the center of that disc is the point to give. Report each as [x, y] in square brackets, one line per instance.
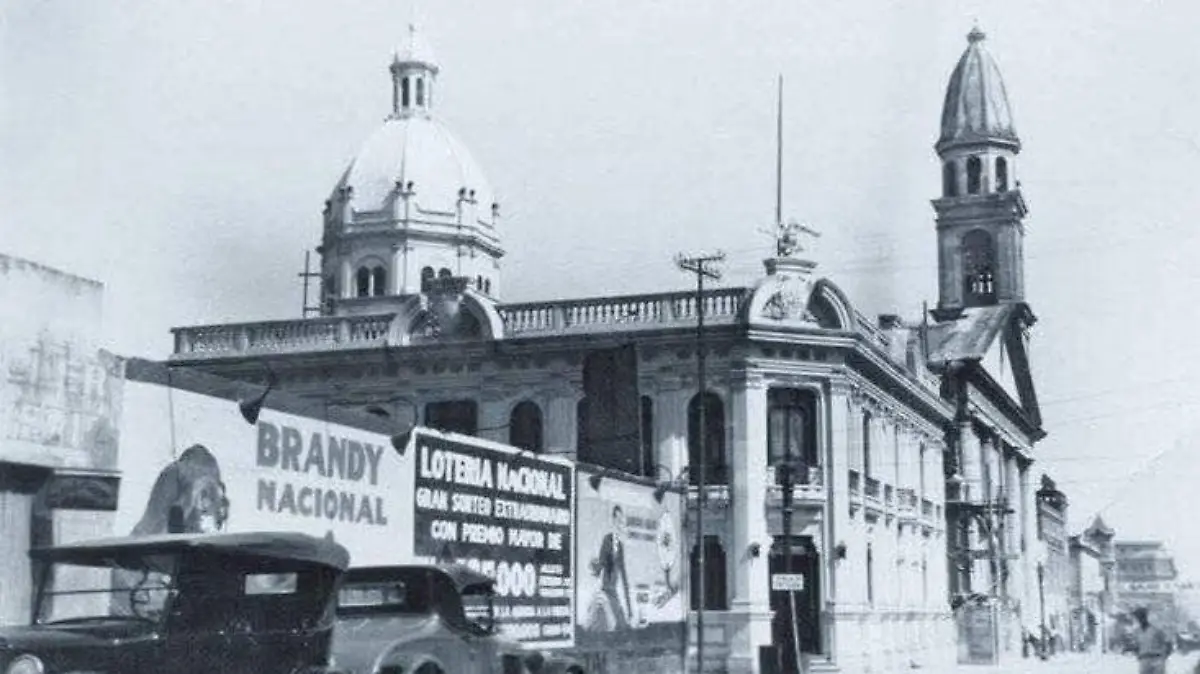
[1001, 174]
[426, 278]
[715, 470]
[454, 416]
[949, 179]
[420, 91]
[525, 426]
[379, 280]
[363, 280]
[487, 286]
[444, 273]
[978, 265]
[716, 597]
[870, 575]
[649, 463]
[974, 175]
[791, 431]
[404, 92]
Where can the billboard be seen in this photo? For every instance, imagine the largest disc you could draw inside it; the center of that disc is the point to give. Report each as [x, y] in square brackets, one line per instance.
[508, 514]
[189, 462]
[630, 587]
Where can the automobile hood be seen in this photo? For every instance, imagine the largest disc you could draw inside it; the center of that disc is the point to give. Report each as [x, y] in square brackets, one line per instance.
[358, 642]
[57, 637]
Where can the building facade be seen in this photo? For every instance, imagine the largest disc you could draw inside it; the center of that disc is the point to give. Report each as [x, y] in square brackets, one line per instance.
[979, 344]
[1147, 577]
[912, 442]
[1054, 564]
[58, 432]
[1092, 563]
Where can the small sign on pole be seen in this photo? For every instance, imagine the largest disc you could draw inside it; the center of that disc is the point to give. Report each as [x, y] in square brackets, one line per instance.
[787, 582]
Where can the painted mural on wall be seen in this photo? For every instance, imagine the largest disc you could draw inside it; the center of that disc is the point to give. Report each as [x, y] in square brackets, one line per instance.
[630, 585]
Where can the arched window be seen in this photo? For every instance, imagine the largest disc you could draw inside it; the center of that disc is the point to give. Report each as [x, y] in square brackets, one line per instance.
[444, 273]
[979, 260]
[363, 282]
[949, 179]
[866, 444]
[420, 91]
[715, 471]
[791, 431]
[525, 426]
[716, 597]
[479, 283]
[974, 174]
[404, 92]
[379, 281]
[487, 286]
[426, 278]
[1001, 174]
[649, 461]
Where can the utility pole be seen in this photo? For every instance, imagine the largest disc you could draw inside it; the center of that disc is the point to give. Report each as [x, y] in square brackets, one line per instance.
[306, 275]
[703, 267]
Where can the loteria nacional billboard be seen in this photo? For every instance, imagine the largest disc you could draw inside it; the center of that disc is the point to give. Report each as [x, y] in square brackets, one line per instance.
[189, 462]
[508, 514]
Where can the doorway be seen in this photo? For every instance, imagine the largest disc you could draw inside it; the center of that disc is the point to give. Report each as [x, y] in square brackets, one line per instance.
[801, 582]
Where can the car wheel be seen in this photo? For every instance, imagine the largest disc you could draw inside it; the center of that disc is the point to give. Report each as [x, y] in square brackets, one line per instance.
[429, 668]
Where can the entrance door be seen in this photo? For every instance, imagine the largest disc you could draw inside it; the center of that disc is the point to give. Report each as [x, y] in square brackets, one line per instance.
[799, 586]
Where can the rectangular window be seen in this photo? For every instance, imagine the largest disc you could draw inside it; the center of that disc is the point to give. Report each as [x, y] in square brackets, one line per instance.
[791, 431]
[866, 444]
[454, 416]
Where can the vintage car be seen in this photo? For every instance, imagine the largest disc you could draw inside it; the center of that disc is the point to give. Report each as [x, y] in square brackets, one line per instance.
[241, 603]
[429, 619]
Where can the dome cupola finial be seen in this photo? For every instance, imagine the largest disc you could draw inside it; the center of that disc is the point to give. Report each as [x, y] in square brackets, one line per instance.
[414, 69]
[976, 35]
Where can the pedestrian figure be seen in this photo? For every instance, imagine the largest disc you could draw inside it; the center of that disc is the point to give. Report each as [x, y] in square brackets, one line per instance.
[1153, 644]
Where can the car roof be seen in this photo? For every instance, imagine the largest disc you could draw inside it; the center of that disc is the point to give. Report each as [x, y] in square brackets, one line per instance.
[462, 576]
[275, 546]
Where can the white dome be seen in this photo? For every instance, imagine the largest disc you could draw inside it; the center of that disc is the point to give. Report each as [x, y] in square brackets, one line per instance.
[420, 150]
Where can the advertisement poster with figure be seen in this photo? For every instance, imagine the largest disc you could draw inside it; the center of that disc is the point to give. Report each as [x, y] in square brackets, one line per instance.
[508, 514]
[190, 463]
[629, 589]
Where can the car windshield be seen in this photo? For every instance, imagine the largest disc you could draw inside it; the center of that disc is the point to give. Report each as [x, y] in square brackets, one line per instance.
[105, 590]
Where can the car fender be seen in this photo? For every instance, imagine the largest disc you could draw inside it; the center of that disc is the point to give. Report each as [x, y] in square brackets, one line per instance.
[403, 654]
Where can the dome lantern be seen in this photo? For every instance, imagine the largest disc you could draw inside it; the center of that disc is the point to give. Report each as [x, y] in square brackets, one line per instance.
[414, 69]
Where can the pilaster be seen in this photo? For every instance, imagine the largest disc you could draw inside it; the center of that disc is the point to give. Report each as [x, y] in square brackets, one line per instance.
[347, 284]
[560, 423]
[750, 598]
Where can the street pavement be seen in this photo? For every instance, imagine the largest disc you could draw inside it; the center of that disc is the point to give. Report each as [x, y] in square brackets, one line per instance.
[1085, 663]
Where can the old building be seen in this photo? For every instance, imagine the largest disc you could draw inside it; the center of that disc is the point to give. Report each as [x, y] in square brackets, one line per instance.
[58, 430]
[1053, 564]
[413, 324]
[1092, 566]
[1147, 577]
[979, 345]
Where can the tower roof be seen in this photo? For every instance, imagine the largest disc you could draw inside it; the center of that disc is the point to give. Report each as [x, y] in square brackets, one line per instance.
[415, 50]
[976, 108]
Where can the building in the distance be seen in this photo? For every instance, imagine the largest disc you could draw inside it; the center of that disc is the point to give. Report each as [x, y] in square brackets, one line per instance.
[1093, 563]
[60, 401]
[1053, 565]
[1147, 577]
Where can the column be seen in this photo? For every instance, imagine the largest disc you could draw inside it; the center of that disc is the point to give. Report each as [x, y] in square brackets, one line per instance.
[750, 598]
[348, 287]
[972, 456]
[1012, 485]
[838, 460]
[560, 423]
[1028, 536]
[399, 269]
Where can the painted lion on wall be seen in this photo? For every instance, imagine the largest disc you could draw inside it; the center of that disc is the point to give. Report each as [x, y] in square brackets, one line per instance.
[187, 498]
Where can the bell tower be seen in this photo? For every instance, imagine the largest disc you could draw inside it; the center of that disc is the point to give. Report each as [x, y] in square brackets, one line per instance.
[980, 213]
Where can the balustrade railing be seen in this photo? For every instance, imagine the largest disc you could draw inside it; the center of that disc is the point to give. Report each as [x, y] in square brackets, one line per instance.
[341, 332]
[721, 305]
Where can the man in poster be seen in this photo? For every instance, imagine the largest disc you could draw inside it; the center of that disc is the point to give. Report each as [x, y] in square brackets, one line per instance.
[609, 612]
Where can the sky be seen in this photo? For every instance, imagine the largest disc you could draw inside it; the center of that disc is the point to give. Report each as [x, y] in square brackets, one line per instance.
[181, 153]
